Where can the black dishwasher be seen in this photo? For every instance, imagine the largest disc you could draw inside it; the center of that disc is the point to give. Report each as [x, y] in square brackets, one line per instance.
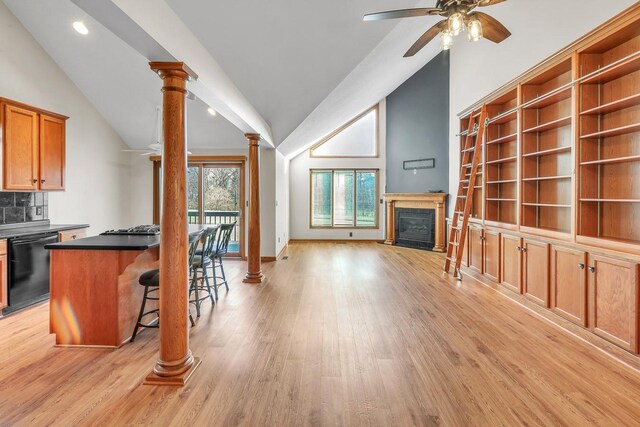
[28, 270]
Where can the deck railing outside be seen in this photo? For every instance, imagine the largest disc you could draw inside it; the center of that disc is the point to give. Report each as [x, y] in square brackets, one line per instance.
[217, 217]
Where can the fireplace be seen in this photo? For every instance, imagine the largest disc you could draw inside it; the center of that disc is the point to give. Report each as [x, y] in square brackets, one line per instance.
[420, 211]
[415, 228]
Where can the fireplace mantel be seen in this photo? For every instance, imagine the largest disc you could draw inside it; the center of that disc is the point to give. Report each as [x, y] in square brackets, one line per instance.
[416, 201]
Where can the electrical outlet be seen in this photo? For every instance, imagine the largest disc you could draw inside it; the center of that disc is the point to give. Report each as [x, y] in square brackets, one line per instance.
[278, 240]
[350, 234]
[38, 210]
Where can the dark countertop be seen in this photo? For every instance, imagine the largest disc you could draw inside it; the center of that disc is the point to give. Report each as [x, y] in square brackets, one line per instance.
[117, 242]
[109, 242]
[28, 230]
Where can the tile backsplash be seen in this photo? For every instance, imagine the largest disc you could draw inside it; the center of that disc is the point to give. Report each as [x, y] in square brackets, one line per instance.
[23, 207]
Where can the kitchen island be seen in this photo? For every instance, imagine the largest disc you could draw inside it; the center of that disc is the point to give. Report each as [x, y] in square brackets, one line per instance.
[95, 295]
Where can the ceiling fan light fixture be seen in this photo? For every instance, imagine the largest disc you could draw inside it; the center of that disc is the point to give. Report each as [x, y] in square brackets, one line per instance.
[446, 40]
[211, 111]
[456, 23]
[474, 30]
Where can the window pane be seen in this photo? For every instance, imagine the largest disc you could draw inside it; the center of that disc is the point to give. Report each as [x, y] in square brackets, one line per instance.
[366, 199]
[321, 198]
[221, 194]
[193, 201]
[343, 198]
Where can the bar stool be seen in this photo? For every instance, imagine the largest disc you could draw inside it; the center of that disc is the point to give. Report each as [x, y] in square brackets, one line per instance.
[220, 251]
[151, 282]
[198, 265]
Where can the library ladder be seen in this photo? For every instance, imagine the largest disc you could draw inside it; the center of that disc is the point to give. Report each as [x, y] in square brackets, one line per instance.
[471, 157]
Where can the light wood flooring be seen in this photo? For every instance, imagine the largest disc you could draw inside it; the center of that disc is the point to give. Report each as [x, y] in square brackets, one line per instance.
[340, 334]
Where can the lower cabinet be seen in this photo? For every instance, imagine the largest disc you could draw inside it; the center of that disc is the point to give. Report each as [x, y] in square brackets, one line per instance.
[476, 236]
[613, 300]
[511, 265]
[491, 250]
[4, 280]
[569, 284]
[535, 271]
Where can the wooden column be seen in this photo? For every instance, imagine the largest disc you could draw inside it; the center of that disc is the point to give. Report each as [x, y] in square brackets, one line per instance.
[175, 363]
[254, 273]
[390, 240]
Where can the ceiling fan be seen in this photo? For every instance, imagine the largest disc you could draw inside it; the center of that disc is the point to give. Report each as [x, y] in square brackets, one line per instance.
[459, 14]
[154, 149]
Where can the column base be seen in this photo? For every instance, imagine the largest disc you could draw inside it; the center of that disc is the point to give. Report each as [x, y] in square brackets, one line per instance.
[177, 380]
[253, 277]
[439, 248]
[389, 242]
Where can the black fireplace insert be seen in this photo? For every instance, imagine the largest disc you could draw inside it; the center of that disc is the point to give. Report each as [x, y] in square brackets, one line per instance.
[415, 228]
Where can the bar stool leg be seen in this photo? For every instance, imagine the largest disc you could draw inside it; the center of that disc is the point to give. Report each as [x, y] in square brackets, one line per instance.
[206, 280]
[144, 303]
[224, 276]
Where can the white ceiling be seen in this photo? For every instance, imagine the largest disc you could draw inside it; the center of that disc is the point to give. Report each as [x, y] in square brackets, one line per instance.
[114, 77]
[285, 56]
[299, 69]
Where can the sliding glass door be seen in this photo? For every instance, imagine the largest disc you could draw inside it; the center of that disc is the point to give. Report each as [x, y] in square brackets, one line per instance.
[215, 195]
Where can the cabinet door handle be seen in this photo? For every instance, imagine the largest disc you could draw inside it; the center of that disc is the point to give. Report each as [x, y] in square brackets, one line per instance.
[524, 249]
[518, 248]
[42, 181]
[74, 237]
[581, 266]
[592, 269]
[35, 181]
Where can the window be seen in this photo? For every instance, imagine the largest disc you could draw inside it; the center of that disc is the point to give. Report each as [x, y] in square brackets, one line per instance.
[344, 198]
[357, 138]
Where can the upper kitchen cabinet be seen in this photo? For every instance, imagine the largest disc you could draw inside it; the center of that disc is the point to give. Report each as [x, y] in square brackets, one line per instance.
[33, 146]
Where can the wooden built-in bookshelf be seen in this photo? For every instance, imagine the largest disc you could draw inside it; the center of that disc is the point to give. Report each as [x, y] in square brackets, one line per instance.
[561, 153]
[501, 159]
[609, 138]
[560, 190]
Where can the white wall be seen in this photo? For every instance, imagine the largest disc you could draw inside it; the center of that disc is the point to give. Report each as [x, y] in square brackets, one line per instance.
[539, 29]
[282, 201]
[299, 191]
[97, 171]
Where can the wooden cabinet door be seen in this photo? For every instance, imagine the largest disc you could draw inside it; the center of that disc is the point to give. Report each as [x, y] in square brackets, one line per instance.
[613, 300]
[52, 153]
[569, 284]
[535, 271]
[20, 161]
[511, 262]
[491, 261]
[475, 248]
[465, 249]
[4, 282]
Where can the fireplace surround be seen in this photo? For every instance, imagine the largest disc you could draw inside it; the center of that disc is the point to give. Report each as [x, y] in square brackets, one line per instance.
[397, 202]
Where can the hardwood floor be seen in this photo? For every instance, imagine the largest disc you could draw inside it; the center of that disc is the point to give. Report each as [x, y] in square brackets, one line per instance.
[339, 334]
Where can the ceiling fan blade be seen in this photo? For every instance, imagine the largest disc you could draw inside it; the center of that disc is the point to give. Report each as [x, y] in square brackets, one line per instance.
[403, 13]
[425, 38]
[484, 3]
[492, 28]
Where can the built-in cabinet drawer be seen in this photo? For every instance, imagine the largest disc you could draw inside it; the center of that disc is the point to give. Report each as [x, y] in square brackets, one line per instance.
[78, 233]
[613, 300]
[569, 284]
[511, 262]
[4, 280]
[491, 251]
[535, 271]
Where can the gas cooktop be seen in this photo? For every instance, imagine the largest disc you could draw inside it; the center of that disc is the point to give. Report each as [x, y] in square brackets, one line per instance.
[138, 230]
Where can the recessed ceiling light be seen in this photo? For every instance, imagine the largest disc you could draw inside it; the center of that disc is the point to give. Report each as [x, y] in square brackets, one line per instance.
[81, 28]
[211, 111]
